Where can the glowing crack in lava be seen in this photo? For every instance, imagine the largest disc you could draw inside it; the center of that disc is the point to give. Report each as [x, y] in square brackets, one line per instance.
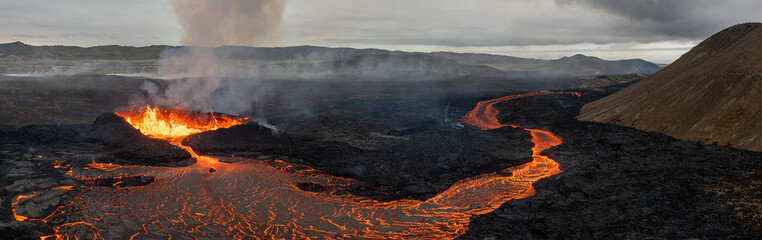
[253, 200]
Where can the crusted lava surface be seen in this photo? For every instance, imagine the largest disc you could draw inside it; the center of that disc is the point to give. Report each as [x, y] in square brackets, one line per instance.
[48, 164]
[400, 152]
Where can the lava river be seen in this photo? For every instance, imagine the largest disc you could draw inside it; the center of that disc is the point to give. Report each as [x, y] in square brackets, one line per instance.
[254, 200]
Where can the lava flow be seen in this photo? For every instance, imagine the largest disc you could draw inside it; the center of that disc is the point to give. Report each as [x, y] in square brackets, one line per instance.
[254, 200]
[484, 115]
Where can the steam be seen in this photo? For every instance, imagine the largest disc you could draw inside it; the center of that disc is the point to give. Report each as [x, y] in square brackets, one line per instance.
[198, 69]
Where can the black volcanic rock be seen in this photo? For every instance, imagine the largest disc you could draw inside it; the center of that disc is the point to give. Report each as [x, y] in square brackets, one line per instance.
[43, 135]
[113, 131]
[409, 156]
[251, 136]
[152, 152]
[311, 187]
[128, 146]
[124, 181]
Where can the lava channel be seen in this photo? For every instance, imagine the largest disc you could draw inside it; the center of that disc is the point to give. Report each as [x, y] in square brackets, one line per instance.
[253, 200]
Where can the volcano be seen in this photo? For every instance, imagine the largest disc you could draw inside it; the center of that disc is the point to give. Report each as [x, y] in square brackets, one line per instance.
[712, 94]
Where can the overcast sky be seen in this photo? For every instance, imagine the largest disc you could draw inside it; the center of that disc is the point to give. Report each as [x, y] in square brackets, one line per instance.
[658, 31]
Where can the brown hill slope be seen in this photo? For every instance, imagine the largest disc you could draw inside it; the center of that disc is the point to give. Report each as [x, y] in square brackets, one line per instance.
[605, 81]
[712, 94]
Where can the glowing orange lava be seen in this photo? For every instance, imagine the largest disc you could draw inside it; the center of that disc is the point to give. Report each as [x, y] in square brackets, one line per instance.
[484, 115]
[173, 124]
[254, 200]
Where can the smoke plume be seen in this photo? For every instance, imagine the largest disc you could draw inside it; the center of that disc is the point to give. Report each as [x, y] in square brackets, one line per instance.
[198, 69]
[212, 23]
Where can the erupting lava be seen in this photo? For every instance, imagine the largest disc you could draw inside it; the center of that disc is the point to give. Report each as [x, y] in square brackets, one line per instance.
[254, 200]
[173, 124]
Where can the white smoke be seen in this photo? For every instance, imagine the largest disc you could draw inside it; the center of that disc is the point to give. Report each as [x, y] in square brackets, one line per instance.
[197, 70]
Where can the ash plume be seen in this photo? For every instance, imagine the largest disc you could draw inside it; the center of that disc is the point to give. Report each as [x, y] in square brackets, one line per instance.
[197, 70]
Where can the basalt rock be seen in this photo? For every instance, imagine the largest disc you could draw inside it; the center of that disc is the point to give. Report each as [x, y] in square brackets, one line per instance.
[124, 181]
[311, 187]
[43, 135]
[251, 136]
[113, 131]
[42, 204]
[128, 146]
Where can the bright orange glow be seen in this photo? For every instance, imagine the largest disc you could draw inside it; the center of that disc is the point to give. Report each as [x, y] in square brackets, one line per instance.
[16, 215]
[173, 124]
[260, 200]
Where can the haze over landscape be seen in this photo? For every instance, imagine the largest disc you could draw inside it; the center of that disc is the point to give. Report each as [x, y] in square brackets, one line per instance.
[361, 119]
[657, 31]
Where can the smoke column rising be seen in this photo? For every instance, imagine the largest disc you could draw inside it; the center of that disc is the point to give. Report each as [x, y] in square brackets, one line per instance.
[212, 23]
[209, 24]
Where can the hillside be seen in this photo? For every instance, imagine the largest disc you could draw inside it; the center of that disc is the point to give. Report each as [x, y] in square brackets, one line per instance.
[111, 52]
[712, 94]
[581, 64]
[604, 81]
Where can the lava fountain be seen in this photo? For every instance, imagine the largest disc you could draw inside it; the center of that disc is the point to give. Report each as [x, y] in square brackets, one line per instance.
[254, 200]
[174, 124]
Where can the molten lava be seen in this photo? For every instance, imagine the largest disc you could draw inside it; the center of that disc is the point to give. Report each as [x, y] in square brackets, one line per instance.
[254, 200]
[484, 115]
[173, 124]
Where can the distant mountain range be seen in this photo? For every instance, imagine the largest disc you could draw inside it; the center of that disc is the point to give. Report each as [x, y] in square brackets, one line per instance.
[317, 62]
[581, 65]
[111, 52]
[712, 94]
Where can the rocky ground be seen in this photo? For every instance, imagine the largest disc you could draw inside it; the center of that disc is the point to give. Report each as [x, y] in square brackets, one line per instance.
[617, 182]
[620, 183]
[742, 193]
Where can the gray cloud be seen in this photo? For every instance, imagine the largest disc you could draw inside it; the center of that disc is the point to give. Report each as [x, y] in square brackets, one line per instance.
[676, 19]
[659, 11]
[514, 23]
[88, 22]
[30, 36]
